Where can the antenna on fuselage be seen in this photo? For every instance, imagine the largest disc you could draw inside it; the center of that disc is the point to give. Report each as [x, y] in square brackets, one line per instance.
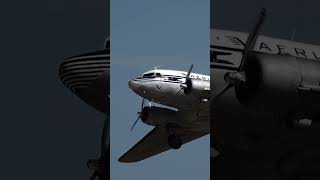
[293, 34]
[107, 43]
[156, 67]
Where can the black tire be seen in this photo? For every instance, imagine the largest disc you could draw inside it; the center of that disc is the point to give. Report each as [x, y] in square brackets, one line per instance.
[174, 141]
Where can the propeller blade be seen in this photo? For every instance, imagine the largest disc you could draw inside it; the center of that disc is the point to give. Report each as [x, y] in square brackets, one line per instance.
[187, 78]
[107, 43]
[142, 104]
[94, 175]
[216, 98]
[140, 113]
[179, 91]
[105, 139]
[134, 124]
[189, 72]
[252, 39]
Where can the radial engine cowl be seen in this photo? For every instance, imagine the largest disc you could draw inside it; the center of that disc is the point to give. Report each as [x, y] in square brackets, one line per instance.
[280, 81]
[196, 86]
[157, 115]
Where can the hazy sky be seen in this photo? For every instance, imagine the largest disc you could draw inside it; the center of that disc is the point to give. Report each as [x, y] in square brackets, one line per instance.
[145, 34]
[45, 131]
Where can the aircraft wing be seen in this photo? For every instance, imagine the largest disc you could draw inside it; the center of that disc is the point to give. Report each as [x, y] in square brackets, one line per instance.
[155, 142]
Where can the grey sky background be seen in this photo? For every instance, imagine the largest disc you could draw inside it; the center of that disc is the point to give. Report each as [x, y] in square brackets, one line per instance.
[145, 34]
[45, 131]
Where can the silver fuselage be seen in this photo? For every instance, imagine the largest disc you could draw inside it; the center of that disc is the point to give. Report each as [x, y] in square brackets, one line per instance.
[166, 89]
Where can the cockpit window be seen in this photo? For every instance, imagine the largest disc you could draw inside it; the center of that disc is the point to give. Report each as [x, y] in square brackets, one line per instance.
[148, 75]
[158, 74]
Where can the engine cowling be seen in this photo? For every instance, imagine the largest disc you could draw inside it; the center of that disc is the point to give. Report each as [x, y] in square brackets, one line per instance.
[280, 81]
[197, 87]
[158, 116]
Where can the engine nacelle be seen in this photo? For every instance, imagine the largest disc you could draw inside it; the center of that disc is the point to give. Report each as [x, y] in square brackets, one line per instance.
[197, 87]
[281, 81]
[158, 116]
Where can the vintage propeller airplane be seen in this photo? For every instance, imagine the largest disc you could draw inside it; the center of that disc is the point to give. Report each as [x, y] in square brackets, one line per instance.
[186, 95]
[264, 106]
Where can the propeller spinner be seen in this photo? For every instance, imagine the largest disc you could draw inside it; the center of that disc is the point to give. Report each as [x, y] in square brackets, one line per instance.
[186, 86]
[141, 114]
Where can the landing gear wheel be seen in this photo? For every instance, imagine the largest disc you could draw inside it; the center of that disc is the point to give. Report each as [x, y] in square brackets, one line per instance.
[174, 141]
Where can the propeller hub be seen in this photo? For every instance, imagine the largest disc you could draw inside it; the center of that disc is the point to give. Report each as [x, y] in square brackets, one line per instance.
[235, 78]
[143, 114]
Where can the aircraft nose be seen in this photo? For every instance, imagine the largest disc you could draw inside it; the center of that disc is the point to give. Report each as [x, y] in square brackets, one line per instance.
[135, 86]
[132, 85]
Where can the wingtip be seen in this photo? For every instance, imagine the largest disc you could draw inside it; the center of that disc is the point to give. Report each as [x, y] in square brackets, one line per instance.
[126, 159]
[122, 159]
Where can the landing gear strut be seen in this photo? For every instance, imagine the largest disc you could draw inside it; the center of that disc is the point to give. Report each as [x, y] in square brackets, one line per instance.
[101, 166]
[174, 141]
[95, 165]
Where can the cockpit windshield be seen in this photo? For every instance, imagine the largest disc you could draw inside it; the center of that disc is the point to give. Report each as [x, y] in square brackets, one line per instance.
[149, 75]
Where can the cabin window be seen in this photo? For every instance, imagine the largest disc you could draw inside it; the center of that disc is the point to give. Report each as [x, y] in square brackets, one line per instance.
[158, 74]
[173, 78]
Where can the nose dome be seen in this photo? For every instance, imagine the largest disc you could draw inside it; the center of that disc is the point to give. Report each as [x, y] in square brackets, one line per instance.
[134, 85]
[131, 84]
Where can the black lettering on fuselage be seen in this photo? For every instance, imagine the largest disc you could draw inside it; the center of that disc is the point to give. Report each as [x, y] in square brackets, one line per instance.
[281, 49]
[264, 46]
[300, 52]
[236, 41]
[315, 55]
[267, 47]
